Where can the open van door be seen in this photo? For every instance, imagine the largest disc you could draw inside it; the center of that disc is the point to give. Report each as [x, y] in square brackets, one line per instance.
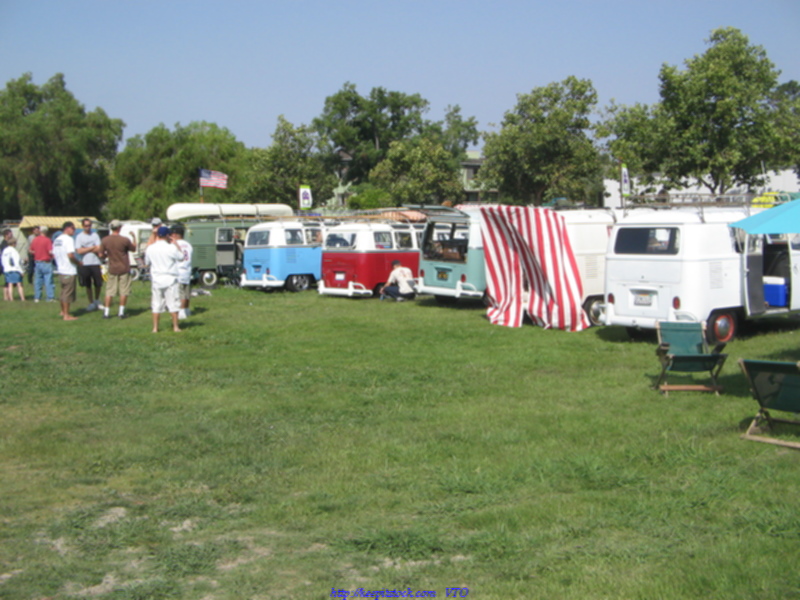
[753, 274]
[794, 260]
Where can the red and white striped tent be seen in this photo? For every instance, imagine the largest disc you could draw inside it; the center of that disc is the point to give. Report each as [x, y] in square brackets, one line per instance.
[531, 268]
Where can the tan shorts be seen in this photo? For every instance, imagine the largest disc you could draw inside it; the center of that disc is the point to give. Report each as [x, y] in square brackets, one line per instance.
[119, 285]
[185, 291]
[68, 288]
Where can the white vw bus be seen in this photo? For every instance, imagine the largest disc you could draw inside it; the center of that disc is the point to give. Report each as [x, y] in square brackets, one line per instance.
[687, 264]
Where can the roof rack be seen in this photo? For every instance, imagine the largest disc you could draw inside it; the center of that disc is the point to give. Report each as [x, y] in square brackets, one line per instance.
[701, 201]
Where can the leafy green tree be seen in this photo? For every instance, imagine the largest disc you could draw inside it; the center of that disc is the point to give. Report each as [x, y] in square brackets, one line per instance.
[455, 133]
[543, 148]
[786, 104]
[54, 155]
[361, 129]
[418, 172]
[162, 168]
[367, 196]
[716, 122]
[274, 174]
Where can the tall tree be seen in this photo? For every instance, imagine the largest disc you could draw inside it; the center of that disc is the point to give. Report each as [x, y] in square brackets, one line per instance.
[54, 155]
[418, 172]
[718, 126]
[359, 129]
[274, 174]
[161, 168]
[543, 148]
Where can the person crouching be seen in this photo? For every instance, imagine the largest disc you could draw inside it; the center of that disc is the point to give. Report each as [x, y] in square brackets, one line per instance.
[163, 258]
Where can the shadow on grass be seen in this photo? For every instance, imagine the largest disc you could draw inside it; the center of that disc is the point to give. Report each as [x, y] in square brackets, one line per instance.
[451, 304]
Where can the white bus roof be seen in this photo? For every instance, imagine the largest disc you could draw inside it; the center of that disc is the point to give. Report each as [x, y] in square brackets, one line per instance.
[682, 216]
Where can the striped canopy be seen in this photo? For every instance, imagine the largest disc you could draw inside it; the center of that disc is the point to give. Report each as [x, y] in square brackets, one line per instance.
[531, 268]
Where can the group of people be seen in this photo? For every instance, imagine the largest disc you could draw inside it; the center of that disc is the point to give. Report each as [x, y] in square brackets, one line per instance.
[78, 261]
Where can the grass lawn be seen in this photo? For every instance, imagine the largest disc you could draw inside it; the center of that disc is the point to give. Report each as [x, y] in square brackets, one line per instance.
[292, 446]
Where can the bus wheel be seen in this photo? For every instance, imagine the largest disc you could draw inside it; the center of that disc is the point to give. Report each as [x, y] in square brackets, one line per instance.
[208, 279]
[298, 283]
[722, 326]
[594, 310]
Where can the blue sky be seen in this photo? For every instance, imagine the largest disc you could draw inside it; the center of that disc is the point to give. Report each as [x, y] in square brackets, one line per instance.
[241, 64]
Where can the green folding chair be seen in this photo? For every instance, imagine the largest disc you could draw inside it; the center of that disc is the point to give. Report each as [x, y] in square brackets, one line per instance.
[775, 386]
[682, 348]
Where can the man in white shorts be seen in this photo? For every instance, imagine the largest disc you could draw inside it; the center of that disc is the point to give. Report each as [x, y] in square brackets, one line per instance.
[163, 258]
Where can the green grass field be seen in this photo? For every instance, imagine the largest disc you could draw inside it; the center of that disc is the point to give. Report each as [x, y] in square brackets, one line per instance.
[291, 445]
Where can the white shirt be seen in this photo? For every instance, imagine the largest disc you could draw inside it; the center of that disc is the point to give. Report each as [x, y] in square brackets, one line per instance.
[10, 260]
[185, 266]
[62, 248]
[401, 277]
[163, 259]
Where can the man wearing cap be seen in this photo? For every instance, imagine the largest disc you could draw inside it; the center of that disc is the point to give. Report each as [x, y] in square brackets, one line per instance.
[42, 249]
[87, 247]
[155, 223]
[67, 266]
[115, 248]
[163, 258]
[184, 270]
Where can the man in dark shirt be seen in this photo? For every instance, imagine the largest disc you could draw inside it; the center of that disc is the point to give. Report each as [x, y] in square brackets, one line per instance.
[115, 248]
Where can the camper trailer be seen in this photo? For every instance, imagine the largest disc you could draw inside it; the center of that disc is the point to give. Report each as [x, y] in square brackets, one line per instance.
[357, 256]
[687, 264]
[283, 254]
[453, 261]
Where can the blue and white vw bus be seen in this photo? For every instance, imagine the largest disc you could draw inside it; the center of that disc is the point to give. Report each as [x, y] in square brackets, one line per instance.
[283, 254]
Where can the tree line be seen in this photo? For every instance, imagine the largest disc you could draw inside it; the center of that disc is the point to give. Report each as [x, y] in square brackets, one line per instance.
[722, 120]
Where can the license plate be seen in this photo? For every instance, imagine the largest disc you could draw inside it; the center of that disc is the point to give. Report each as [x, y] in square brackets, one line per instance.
[643, 300]
[441, 275]
[338, 276]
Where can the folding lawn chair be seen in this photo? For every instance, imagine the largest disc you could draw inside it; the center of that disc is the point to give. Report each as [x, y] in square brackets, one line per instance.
[682, 348]
[775, 386]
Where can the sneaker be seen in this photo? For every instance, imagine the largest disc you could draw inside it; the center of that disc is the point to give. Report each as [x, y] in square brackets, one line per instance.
[106, 316]
[401, 299]
[123, 316]
[36, 300]
[91, 307]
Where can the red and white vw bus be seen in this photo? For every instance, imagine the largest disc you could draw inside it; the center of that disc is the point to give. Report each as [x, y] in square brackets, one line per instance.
[357, 256]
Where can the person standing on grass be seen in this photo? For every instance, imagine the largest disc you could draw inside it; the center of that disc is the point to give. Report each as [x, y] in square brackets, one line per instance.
[163, 258]
[400, 284]
[184, 271]
[87, 247]
[31, 261]
[42, 249]
[13, 271]
[115, 248]
[67, 266]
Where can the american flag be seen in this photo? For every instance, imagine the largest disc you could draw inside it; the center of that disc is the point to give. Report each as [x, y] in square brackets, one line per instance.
[213, 179]
[525, 245]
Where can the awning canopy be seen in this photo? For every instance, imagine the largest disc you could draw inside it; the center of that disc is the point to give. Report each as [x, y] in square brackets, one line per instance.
[52, 222]
[784, 218]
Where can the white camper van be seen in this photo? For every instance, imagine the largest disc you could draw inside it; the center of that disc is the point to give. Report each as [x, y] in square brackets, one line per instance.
[687, 264]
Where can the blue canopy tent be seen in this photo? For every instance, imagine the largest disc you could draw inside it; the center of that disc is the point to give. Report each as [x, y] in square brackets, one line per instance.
[784, 218]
